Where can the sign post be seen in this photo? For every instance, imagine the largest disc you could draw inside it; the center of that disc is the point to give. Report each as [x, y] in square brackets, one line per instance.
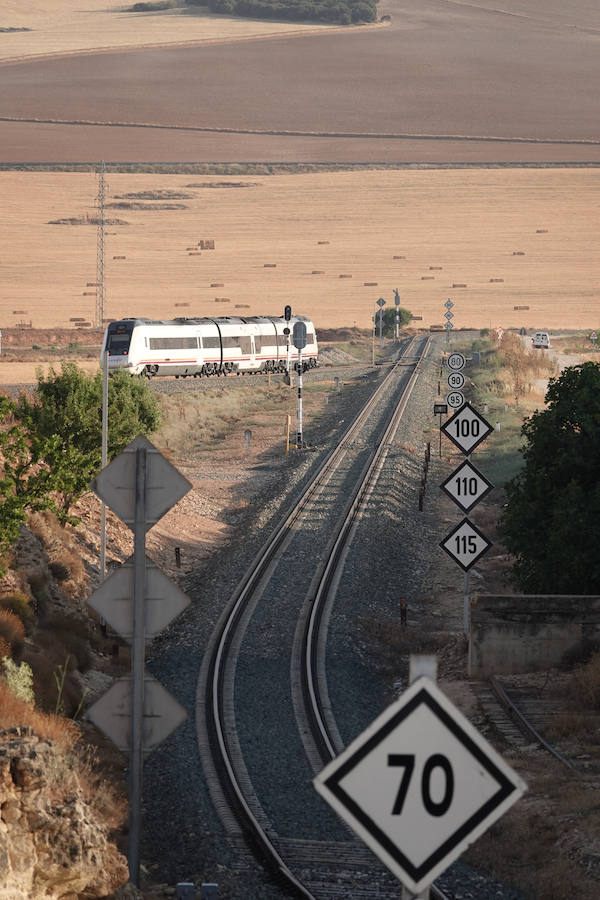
[287, 315]
[466, 487]
[299, 344]
[381, 304]
[136, 713]
[397, 303]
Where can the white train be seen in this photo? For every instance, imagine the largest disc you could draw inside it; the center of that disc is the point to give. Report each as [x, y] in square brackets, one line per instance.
[184, 347]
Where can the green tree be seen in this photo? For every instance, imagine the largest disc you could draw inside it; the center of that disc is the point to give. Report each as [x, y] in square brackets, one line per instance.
[63, 422]
[551, 521]
[14, 454]
[389, 320]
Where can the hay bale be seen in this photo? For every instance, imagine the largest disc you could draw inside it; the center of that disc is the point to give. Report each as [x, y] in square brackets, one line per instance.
[217, 284]
[435, 268]
[518, 253]
[496, 280]
[269, 265]
[182, 304]
[429, 278]
[119, 257]
[370, 283]
[541, 231]
[317, 272]
[77, 319]
[399, 257]
[458, 284]
[344, 276]
[520, 307]
[322, 242]
[19, 312]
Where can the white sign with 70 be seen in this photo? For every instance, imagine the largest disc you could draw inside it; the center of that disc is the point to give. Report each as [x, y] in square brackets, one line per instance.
[419, 785]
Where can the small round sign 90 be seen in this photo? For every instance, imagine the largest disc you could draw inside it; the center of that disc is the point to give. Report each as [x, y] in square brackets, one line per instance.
[455, 380]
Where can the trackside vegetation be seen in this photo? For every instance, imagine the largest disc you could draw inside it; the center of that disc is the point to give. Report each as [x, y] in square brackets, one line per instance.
[550, 524]
[341, 12]
[50, 440]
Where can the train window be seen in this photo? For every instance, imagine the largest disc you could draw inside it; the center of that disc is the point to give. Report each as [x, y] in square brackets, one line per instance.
[231, 343]
[211, 343]
[173, 343]
[257, 343]
[245, 345]
[118, 344]
[310, 337]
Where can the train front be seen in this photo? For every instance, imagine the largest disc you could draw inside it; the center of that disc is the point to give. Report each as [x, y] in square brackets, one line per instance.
[118, 341]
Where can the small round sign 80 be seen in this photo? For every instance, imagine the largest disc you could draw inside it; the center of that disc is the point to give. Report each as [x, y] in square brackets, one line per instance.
[456, 361]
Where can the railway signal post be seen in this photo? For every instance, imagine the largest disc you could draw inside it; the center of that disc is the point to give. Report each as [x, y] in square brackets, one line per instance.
[299, 343]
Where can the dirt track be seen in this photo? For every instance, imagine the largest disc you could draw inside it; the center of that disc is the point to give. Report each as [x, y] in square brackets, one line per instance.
[447, 70]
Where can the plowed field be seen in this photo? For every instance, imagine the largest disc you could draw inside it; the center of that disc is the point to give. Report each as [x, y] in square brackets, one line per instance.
[446, 74]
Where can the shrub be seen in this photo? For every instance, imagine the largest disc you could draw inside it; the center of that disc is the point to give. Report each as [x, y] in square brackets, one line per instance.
[19, 679]
[11, 628]
[19, 603]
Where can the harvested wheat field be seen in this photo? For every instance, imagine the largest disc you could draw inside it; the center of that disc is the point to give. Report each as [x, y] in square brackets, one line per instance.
[511, 247]
[42, 28]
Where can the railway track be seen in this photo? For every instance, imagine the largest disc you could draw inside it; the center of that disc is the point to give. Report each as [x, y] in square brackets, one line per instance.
[310, 867]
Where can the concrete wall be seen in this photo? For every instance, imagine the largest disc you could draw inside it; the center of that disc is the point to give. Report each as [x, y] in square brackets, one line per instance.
[529, 632]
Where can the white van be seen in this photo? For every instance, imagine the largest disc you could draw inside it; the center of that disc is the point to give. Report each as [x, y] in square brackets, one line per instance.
[541, 340]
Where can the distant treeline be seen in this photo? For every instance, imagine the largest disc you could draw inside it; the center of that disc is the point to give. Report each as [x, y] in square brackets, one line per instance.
[342, 12]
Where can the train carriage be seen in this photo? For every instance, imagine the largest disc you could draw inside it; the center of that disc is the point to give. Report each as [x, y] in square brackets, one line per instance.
[195, 347]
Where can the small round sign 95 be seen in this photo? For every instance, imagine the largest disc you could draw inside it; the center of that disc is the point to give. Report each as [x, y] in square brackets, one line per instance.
[455, 399]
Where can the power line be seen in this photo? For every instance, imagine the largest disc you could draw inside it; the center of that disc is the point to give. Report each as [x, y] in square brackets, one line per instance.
[100, 292]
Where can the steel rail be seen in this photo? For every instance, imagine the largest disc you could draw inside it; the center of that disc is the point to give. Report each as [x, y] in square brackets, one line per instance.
[524, 725]
[216, 664]
[314, 704]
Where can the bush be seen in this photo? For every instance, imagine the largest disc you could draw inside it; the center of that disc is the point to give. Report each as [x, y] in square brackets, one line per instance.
[19, 604]
[11, 628]
[19, 679]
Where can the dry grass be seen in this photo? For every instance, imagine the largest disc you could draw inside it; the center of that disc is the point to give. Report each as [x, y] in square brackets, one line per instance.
[71, 26]
[19, 604]
[11, 628]
[17, 712]
[65, 559]
[467, 221]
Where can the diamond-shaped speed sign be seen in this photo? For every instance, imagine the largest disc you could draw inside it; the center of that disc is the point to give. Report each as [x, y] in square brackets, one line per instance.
[465, 544]
[419, 785]
[466, 486]
[467, 428]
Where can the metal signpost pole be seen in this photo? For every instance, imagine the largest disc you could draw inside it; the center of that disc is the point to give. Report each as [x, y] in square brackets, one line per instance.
[381, 327]
[373, 337]
[136, 758]
[104, 459]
